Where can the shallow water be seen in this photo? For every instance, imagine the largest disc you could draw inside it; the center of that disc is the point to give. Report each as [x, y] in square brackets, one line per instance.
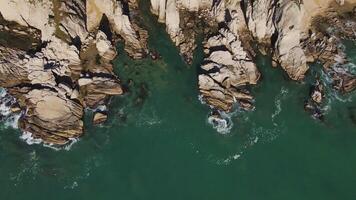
[158, 143]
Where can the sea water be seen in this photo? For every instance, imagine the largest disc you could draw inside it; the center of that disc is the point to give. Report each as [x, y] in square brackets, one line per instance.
[158, 143]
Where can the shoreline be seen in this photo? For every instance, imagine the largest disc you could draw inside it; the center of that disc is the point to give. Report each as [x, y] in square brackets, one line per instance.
[70, 68]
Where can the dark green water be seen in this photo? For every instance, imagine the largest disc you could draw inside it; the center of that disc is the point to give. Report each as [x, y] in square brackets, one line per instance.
[158, 144]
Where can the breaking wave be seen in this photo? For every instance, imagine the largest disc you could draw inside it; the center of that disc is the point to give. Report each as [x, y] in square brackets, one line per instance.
[222, 122]
[9, 119]
[30, 140]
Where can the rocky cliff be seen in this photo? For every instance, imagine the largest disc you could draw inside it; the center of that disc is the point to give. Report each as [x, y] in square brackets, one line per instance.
[55, 59]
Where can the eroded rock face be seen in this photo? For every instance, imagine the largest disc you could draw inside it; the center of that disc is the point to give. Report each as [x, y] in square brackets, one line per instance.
[226, 71]
[135, 37]
[50, 115]
[67, 67]
[259, 17]
[288, 50]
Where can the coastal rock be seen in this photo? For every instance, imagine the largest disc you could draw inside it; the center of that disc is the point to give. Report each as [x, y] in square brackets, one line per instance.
[50, 116]
[104, 46]
[61, 68]
[260, 19]
[283, 28]
[325, 46]
[12, 69]
[228, 68]
[226, 71]
[30, 13]
[135, 38]
[99, 118]
[72, 19]
[314, 105]
[288, 49]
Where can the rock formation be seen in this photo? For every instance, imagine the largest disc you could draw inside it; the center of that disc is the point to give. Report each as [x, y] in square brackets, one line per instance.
[62, 63]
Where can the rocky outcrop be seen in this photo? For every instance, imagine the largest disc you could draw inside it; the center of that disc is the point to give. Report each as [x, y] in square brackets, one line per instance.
[260, 19]
[66, 67]
[135, 38]
[324, 44]
[225, 73]
[314, 105]
[50, 115]
[288, 49]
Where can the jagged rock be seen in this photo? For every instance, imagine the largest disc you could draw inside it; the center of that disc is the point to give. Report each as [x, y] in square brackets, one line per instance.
[72, 16]
[260, 19]
[290, 54]
[51, 117]
[104, 47]
[99, 118]
[135, 43]
[226, 71]
[12, 69]
[30, 13]
[324, 45]
[315, 103]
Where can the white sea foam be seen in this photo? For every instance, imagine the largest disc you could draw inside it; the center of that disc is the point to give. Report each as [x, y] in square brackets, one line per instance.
[278, 103]
[30, 140]
[27, 137]
[223, 123]
[71, 143]
[200, 98]
[101, 108]
[9, 119]
[30, 167]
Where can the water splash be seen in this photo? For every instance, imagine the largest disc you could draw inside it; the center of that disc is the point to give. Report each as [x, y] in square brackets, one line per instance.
[222, 123]
[278, 102]
[9, 119]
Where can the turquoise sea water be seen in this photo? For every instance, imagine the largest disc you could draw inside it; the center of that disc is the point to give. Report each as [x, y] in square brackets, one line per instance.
[158, 144]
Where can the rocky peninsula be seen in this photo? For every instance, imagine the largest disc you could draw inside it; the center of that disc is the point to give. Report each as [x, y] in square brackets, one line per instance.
[56, 55]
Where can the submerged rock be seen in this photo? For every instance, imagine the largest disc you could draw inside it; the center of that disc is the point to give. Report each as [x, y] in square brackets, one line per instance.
[314, 105]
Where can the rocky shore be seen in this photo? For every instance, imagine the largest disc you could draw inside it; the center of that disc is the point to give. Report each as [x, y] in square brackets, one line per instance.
[56, 56]
[55, 59]
[295, 33]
